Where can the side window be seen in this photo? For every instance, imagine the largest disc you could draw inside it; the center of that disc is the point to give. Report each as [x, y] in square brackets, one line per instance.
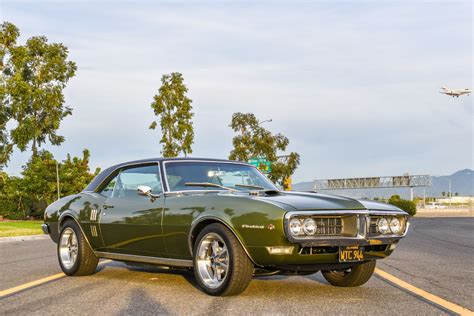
[130, 179]
[109, 188]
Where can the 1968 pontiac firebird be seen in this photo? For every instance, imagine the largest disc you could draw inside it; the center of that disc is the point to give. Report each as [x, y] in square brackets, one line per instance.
[223, 219]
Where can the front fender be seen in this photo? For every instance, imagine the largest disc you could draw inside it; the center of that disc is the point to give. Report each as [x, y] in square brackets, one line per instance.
[79, 208]
[255, 224]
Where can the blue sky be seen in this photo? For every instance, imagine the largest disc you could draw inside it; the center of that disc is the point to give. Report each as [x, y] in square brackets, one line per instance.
[353, 85]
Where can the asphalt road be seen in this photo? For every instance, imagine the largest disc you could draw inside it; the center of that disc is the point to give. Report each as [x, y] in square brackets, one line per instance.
[437, 257]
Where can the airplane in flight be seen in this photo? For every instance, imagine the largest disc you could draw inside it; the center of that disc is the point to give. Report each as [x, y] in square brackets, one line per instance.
[455, 92]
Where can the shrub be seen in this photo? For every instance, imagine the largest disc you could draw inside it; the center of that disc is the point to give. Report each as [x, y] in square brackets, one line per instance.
[406, 205]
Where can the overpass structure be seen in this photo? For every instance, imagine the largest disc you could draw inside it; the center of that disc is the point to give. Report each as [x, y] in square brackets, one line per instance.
[405, 181]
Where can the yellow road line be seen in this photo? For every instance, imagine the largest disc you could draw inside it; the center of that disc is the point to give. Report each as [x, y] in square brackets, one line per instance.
[428, 296]
[28, 285]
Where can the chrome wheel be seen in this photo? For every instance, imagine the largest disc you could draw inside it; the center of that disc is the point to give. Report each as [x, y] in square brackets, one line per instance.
[68, 248]
[212, 260]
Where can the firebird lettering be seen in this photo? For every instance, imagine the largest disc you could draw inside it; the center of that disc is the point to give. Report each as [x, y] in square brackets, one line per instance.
[252, 226]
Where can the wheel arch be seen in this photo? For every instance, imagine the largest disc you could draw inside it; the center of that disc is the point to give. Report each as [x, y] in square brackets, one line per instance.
[199, 225]
[68, 215]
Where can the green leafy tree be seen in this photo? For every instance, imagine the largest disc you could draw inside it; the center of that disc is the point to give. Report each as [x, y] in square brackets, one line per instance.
[74, 173]
[8, 36]
[253, 140]
[38, 187]
[34, 77]
[443, 194]
[14, 200]
[39, 175]
[174, 111]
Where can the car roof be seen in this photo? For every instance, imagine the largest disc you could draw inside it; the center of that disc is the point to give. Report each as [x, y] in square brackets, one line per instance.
[96, 182]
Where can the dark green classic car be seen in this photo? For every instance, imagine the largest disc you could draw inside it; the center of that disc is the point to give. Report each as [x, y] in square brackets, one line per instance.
[225, 220]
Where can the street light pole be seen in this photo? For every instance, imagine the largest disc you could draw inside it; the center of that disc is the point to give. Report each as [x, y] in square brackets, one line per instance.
[57, 179]
[450, 192]
[265, 121]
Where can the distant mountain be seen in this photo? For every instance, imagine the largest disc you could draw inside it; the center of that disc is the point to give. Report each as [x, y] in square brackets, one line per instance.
[462, 182]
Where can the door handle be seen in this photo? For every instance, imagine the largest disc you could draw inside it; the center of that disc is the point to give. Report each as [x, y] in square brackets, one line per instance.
[106, 206]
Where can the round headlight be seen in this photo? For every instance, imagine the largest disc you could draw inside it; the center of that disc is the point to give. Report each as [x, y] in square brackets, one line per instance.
[395, 225]
[295, 227]
[383, 225]
[309, 226]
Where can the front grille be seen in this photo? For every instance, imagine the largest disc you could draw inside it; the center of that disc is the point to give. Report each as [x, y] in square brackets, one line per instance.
[373, 229]
[328, 226]
[317, 250]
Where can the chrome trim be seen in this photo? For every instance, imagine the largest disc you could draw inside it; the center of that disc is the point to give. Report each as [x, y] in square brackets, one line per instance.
[204, 218]
[126, 166]
[191, 192]
[392, 235]
[145, 259]
[45, 229]
[362, 232]
[93, 214]
[94, 231]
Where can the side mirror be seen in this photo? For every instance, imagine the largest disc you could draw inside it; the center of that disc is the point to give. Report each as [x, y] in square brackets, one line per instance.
[144, 190]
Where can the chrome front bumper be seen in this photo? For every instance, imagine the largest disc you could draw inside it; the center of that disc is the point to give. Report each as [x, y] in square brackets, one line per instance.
[45, 229]
[360, 235]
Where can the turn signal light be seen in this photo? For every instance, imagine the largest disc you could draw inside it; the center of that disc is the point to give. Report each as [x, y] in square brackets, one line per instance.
[281, 250]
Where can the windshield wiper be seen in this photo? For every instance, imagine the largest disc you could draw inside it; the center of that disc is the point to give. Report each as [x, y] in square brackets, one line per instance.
[250, 186]
[207, 184]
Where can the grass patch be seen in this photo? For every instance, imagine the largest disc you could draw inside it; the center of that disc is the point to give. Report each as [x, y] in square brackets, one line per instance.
[20, 228]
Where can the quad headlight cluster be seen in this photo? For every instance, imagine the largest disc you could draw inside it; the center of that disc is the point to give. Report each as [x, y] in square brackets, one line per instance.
[301, 227]
[389, 225]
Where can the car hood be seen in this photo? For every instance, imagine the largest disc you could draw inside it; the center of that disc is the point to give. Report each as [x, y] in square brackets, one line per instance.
[316, 201]
[313, 201]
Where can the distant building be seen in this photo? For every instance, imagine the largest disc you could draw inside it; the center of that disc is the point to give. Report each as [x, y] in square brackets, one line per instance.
[457, 200]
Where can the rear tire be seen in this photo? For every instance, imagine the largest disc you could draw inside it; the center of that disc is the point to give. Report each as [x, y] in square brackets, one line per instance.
[75, 256]
[221, 266]
[355, 276]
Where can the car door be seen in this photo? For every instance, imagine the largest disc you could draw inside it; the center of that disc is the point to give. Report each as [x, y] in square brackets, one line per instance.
[131, 223]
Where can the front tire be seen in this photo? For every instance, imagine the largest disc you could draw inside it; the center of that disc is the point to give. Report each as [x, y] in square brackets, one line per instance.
[221, 266]
[354, 276]
[74, 253]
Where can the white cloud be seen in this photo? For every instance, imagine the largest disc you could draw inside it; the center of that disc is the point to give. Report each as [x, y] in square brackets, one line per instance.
[354, 87]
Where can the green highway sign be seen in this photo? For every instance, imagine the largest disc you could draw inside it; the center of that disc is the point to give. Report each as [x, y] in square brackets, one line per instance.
[261, 163]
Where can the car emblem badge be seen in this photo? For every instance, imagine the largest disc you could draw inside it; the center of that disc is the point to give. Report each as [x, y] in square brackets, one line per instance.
[270, 226]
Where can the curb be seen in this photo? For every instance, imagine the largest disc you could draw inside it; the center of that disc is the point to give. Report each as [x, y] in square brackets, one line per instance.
[22, 238]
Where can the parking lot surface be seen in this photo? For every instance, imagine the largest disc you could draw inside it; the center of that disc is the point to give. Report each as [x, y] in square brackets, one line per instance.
[435, 257]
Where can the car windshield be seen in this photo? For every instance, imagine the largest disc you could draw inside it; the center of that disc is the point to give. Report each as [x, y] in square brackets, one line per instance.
[196, 175]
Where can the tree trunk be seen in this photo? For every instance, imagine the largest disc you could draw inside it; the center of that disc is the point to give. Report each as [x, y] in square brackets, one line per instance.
[33, 148]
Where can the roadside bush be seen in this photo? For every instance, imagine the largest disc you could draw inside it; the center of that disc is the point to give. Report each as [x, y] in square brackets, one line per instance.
[8, 208]
[406, 205]
[15, 209]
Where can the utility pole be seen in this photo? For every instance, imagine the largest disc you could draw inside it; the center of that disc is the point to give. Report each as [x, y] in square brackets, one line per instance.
[57, 179]
[450, 193]
[424, 196]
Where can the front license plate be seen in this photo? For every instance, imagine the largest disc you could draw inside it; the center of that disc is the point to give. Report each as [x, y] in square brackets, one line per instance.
[351, 254]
